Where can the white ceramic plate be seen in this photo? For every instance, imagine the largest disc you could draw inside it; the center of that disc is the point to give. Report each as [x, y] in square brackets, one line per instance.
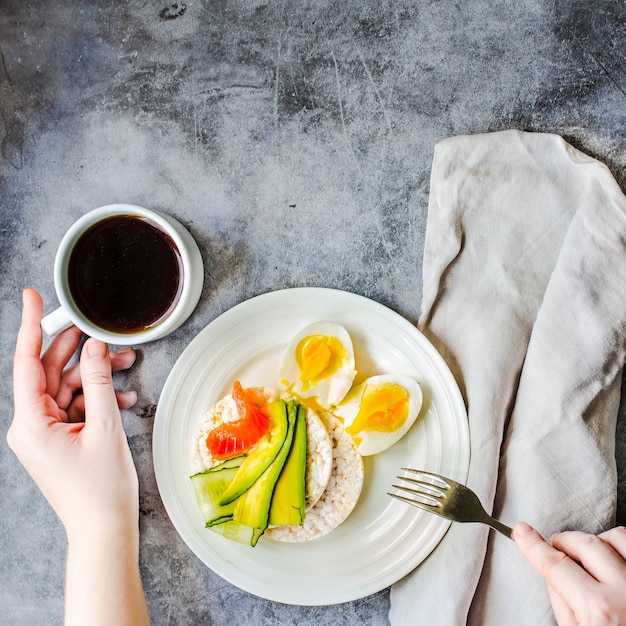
[383, 539]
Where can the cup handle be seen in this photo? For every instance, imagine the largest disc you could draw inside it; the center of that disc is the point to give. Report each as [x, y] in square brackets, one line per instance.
[56, 322]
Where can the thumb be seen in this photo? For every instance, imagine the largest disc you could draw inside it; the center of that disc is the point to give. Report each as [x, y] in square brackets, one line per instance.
[541, 555]
[95, 372]
[527, 539]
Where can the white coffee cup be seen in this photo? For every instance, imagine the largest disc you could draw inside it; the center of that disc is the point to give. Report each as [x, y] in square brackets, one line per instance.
[191, 278]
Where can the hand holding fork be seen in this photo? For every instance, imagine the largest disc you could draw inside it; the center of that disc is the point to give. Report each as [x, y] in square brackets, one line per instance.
[586, 574]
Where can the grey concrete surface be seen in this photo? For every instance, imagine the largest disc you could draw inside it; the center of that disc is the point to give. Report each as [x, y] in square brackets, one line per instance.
[294, 139]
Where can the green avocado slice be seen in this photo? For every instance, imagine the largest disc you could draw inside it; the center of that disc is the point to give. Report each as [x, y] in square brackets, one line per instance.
[288, 501]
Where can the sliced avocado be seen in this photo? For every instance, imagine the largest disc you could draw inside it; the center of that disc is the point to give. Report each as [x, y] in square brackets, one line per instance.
[261, 457]
[253, 507]
[287, 507]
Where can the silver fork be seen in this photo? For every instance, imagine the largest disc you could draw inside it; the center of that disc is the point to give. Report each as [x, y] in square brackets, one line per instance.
[447, 498]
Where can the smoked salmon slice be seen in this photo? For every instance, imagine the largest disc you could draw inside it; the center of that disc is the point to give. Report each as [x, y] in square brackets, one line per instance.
[231, 439]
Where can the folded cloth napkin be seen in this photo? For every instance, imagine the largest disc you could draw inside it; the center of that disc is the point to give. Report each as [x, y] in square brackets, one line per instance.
[525, 297]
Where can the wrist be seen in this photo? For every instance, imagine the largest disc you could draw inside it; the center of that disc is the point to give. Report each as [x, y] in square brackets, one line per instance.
[104, 533]
[103, 581]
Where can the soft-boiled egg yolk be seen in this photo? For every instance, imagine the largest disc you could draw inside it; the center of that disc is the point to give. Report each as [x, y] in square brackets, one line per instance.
[379, 411]
[384, 408]
[319, 356]
[318, 364]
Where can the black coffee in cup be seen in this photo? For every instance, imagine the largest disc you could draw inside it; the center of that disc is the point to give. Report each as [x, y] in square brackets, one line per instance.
[125, 274]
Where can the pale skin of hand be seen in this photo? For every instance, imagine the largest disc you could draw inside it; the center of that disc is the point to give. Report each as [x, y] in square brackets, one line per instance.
[74, 447]
[586, 574]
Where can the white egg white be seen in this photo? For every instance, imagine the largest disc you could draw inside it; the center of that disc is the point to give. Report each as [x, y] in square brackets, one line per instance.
[327, 390]
[369, 441]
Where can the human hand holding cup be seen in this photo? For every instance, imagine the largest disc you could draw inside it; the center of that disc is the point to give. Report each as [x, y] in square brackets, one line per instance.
[125, 275]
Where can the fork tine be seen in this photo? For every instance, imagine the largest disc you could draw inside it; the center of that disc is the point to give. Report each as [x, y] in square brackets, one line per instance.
[424, 487]
[426, 498]
[421, 505]
[439, 481]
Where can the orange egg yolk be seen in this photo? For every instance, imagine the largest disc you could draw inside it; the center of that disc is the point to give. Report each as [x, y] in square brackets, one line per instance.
[319, 356]
[384, 408]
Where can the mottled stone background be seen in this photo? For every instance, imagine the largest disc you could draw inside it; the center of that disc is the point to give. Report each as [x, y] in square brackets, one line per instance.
[294, 139]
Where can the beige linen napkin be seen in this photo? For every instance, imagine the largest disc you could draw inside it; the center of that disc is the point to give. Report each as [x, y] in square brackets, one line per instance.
[525, 297]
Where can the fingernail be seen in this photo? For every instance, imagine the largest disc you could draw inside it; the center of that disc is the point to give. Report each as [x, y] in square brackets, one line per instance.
[126, 350]
[523, 529]
[95, 348]
[131, 397]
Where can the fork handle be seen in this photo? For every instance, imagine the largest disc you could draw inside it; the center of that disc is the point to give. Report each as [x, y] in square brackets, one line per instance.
[499, 526]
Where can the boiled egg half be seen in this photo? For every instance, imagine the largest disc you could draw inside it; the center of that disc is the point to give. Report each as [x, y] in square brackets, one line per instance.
[379, 411]
[318, 364]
